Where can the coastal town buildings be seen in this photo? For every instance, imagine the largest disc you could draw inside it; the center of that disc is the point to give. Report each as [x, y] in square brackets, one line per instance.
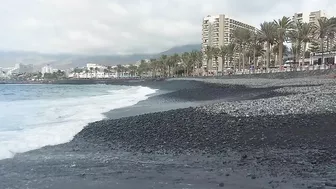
[21, 68]
[217, 31]
[3, 74]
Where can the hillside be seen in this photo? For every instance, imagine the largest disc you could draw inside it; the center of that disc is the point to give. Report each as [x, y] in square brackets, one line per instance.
[63, 61]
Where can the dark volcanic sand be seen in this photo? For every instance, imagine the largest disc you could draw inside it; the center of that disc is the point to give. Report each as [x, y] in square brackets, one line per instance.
[186, 148]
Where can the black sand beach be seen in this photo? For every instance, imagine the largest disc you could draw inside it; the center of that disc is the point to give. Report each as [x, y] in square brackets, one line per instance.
[198, 134]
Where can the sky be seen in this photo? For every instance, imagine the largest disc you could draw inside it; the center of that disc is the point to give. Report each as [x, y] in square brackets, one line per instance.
[127, 26]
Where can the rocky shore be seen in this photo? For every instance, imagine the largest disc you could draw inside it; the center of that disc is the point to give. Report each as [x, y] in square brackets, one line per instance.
[250, 133]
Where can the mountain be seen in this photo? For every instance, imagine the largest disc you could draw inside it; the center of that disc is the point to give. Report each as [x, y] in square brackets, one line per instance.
[63, 61]
[182, 49]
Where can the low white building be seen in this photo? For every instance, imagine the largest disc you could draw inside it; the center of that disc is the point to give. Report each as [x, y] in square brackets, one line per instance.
[47, 69]
[94, 66]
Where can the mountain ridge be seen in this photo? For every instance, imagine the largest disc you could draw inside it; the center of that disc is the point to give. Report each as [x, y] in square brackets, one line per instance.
[63, 61]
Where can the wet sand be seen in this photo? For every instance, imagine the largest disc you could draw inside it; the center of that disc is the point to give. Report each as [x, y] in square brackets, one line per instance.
[197, 134]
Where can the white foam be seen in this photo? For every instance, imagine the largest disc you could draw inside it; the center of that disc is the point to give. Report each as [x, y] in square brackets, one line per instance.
[51, 122]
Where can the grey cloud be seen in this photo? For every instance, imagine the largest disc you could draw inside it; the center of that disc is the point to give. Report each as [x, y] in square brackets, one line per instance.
[126, 26]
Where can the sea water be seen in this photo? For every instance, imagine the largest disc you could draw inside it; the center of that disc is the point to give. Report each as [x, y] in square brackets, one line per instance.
[33, 116]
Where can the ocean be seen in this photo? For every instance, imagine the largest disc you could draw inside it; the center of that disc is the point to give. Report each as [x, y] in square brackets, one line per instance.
[34, 116]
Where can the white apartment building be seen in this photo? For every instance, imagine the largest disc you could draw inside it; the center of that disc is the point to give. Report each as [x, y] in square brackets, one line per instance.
[217, 31]
[309, 17]
[47, 69]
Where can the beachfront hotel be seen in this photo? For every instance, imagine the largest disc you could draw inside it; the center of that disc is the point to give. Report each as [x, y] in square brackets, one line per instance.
[313, 17]
[309, 17]
[217, 31]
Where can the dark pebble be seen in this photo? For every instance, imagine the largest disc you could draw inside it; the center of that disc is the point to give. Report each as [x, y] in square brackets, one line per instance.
[82, 175]
[221, 184]
[330, 184]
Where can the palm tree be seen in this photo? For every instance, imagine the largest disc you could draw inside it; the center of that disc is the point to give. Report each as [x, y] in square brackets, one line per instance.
[254, 45]
[143, 68]
[163, 64]
[282, 25]
[209, 54]
[186, 62]
[153, 66]
[196, 61]
[199, 60]
[106, 71]
[87, 73]
[125, 70]
[223, 52]
[232, 47]
[296, 40]
[242, 37]
[323, 26]
[215, 52]
[91, 71]
[237, 39]
[109, 69]
[119, 69]
[170, 63]
[174, 60]
[96, 69]
[306, 32]
[268, 31]
[331, 32]
[133, 70]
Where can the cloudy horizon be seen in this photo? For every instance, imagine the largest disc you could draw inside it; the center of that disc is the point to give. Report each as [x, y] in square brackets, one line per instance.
[127, 26]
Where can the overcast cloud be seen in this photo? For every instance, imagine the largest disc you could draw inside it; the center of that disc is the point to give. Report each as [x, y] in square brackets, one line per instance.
[127, 26]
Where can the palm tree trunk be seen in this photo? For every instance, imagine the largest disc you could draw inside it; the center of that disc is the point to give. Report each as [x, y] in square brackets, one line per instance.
[223, 60]
[249, 63]
[322, 45]
[298, 53]
[280, 53]
[207, 72]
[268, 55]
[239, 62]
[243, 66]
[254, 58]
[303, 53]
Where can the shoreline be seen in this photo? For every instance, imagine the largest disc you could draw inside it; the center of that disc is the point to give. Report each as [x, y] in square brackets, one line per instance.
[215, 131]
[328, 73]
